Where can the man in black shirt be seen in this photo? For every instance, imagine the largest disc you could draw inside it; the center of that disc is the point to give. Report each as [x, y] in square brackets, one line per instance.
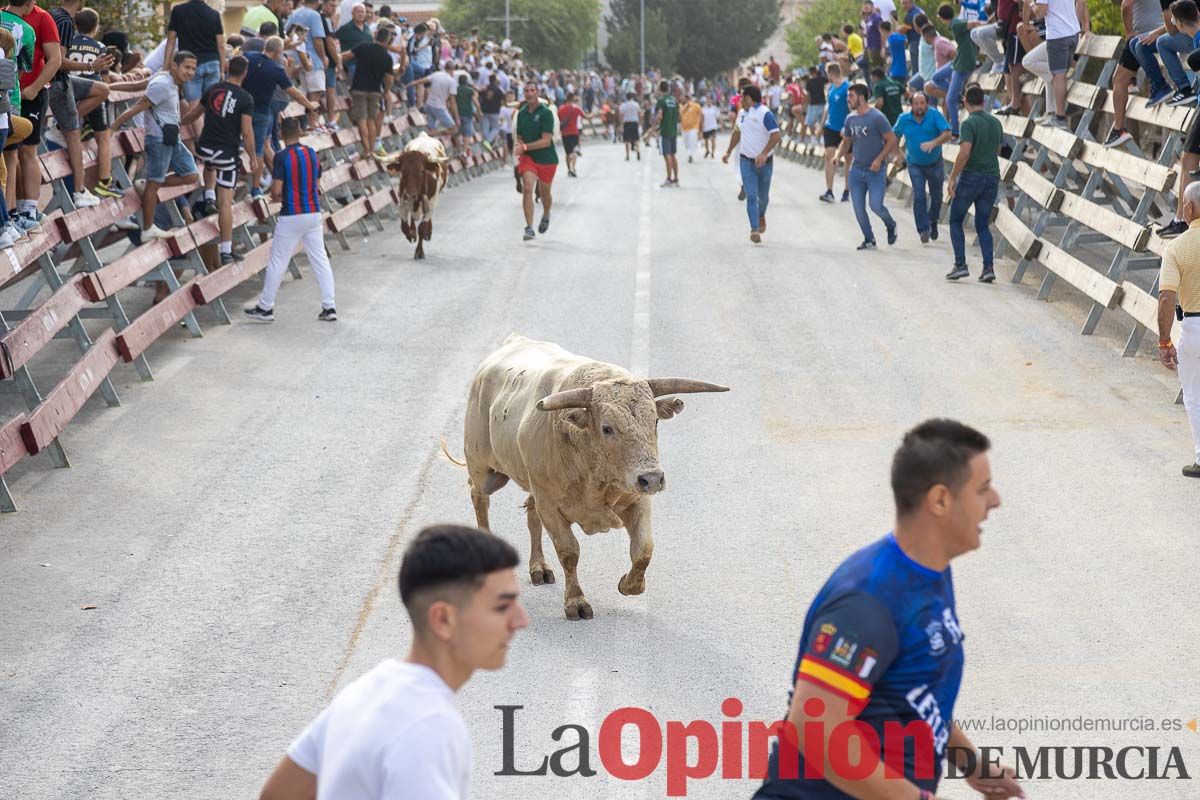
[491, 99]
[371, 87]
[814, 87]
[198, 30]
[227, 109]
[85, 50]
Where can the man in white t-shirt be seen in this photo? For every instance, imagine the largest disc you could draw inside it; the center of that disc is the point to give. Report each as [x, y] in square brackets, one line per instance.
[442, 86]
[395, 731]
[710, 121]
[630, 113]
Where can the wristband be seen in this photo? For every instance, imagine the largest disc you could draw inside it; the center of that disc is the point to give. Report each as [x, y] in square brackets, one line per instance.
[1165, 345]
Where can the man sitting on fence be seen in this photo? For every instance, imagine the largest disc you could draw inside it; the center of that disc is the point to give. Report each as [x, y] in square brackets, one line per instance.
[85, 49]
[1139, 18]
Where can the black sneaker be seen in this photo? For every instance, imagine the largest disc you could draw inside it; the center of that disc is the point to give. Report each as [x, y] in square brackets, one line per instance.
[529, 234]
[933, 231]
[209, 208]
[1005, 111]
[1192, 471]
[229, 258]
[988, 275]
[891, 233]
[924, 237]
[846, 196]
[544, 225]
[742, 194]
[827, 197]
[959, 271]
[1172, 229]
[868, 244]
[1117, 137]
[328, 315]
[1182, 97]
[259, 314]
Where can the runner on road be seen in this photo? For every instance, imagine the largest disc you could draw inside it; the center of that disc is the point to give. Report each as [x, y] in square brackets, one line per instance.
[755, 139]
[881, 646]
[666, 122]
[710, 117]
[395, 731]
[836, 109]
[537, 159]
[868, 130]
[629, 125]
[569, 116]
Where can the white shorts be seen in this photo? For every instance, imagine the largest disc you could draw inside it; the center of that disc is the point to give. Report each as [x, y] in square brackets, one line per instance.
[313, 81]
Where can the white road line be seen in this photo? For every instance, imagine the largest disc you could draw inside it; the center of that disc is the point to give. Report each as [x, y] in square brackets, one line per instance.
[639, 362]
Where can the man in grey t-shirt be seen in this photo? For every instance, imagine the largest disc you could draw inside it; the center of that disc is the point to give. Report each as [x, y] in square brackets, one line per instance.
[867, 131]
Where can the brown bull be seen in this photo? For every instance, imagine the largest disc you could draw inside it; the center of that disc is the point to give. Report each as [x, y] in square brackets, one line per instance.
[422, 179]
[581, 437]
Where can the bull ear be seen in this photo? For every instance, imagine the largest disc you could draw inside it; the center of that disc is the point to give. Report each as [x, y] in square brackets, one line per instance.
[579, 418]
[668, 407]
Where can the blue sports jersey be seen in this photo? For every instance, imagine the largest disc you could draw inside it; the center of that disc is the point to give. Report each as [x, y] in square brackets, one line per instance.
[881, 634]
[300, 170]
[838, 105]
[898, 47]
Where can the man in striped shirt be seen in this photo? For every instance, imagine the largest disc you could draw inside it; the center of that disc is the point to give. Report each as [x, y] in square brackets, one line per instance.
[297, 174]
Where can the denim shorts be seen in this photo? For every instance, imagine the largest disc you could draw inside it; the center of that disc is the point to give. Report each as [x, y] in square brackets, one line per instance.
[440, 117]
[1059, 52]
[814, 114]
[160, 159]
[260, 122]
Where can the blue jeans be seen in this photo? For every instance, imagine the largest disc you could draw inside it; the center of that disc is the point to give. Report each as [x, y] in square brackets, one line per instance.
[862, 183]
[410, 93]
[260, 123]
[958, 82]
[207, 74]
[978, 190]
[757, 183]
[927, 206]
[491, 126]
[1146, 56]
[1171, 46]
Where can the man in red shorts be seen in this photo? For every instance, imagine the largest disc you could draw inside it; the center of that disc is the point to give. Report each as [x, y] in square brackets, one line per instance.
[536, 157]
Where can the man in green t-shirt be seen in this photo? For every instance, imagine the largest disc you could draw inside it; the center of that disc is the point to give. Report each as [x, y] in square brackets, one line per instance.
[964, 61]
[888, 94]
[537, 159]
[974, 183]
[666, 121]
[467, 101]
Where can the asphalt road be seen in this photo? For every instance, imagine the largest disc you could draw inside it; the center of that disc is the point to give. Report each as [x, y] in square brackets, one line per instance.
[238, 523]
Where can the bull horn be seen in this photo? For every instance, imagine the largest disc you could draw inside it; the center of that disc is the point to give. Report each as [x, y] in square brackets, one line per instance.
[571, 398]
[661, 386]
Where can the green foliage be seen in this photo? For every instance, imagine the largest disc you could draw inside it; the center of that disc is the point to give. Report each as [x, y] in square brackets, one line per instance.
[145, 27]
[624, 45]
[557, 33]
[702, 37]
[1106, 17]
[823, 16]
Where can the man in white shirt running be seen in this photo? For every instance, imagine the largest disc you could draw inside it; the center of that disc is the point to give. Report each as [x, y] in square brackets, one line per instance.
[395, 731]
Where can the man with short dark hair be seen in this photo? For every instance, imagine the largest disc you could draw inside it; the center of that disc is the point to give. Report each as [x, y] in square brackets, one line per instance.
[264, 76]
[570, 115]
[869, 137]
[666, 122]
[395, 732]
[92, 106]
[755, 138]
[537, 160]
[371, 87]
[881, 647]
[888, 95]
[227, 110]
[924, 131]
[975, 182]
[296, 184]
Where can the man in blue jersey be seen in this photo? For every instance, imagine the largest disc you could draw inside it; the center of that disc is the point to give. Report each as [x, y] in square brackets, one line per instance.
[881, 651]
[297, 173]
[837, 106]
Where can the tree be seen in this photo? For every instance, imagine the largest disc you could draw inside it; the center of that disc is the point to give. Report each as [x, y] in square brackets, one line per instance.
[624, 45]
[717, 36]
[823, 16]
[557, 33]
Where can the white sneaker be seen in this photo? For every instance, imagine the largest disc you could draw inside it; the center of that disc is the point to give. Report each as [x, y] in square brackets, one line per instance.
[7, 240]
[130, 223]
[85, 199]
[998, 68]
[155, 232]
[15, 231]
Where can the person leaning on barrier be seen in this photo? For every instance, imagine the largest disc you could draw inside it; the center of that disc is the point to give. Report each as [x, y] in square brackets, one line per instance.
[1179, 298]
[395, 732]
[1187, 16]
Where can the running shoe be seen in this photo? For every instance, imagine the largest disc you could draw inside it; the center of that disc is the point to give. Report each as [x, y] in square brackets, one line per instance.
[959, 271]
[529, 234]
[1172, 229]
[208, 208]
[1159, 97]
[15, 231]
[128, 224]
[25, 222]
[924, 237]
[155, 232]
[742, 194]
[755, 237]
[1182, 97]
[7, 239]
[665, 185]
[1118, 136]
[544, 225]
[255, 193]
[891, 234]
[85, 199]
[328, 315]
[259, 314]
[827, 197]
[845, 195]
[868, 244]
[230, 257]
[988, 275]
[107, 188]
[1192, 471]
[933, 231]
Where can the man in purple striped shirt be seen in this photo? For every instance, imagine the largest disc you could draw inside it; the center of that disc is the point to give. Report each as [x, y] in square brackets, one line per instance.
[297, 173]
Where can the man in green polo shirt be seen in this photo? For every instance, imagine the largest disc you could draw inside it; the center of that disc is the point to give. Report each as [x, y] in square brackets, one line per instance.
[888, 94]
[974, 183]
[537, 159]
[666, 120]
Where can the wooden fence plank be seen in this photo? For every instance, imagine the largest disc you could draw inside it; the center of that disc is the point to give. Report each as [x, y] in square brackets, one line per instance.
[141, 333]
[209, 287]
[32, 333]
[1014, 231]
[1075, 272]
[1140, 305]
[63, 402]
[12, 446]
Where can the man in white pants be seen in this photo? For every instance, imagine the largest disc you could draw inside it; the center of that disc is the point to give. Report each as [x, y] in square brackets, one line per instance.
[297, 174]
[1179, 291]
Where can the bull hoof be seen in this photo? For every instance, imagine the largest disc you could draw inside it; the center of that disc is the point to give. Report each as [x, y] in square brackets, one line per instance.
[626, 586]
[578, 609]
[541, 576]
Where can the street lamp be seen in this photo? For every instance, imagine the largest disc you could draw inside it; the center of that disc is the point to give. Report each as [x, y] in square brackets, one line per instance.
[643, 24]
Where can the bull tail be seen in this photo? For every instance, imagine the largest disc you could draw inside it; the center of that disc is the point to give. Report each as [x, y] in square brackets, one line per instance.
[450, 458]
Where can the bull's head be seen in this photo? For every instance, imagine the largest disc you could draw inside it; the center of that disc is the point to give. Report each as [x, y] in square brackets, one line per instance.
[414, 170]
[616, 421]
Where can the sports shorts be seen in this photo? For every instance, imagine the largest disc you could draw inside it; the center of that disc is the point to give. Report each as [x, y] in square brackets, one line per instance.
[668, 145]
[570, 142]
[544, 172]
[629, 132]
[832, 138]
[223, 162]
